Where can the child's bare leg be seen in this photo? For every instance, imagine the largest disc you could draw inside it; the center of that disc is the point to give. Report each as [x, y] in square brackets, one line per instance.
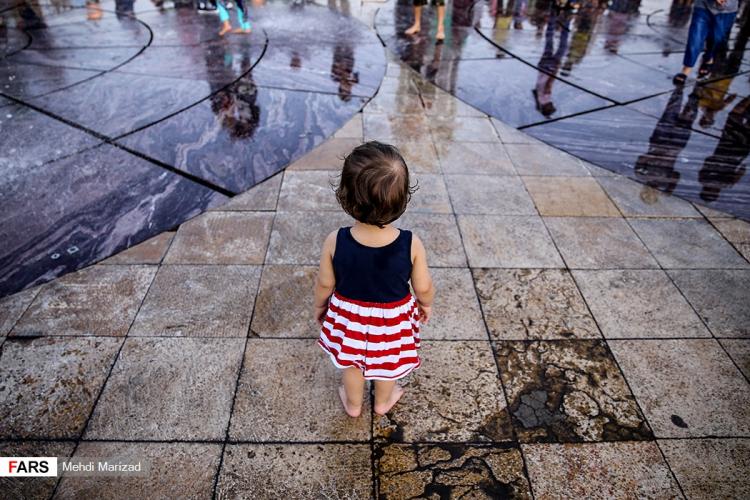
[351, 393]
[441, 23]
[387, 393]
[417, 26]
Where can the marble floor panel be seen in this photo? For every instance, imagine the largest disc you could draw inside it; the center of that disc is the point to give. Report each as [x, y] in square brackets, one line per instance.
[158, 80]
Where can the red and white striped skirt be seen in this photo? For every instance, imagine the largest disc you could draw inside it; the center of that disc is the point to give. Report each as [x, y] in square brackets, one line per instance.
[380, 338]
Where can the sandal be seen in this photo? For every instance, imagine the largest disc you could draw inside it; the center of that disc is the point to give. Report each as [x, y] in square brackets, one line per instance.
[679, 79]
[705, 70]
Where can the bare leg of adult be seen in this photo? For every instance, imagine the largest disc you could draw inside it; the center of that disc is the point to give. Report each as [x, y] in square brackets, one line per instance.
[417, 26]
[441, 23]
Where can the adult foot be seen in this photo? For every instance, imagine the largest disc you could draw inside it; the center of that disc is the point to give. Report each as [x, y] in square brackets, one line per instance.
[705, 69]
[679, 79]
[244, 31]
[396, 394]
[440, 35]
[413, 30]
[349, 411]
[226, 28]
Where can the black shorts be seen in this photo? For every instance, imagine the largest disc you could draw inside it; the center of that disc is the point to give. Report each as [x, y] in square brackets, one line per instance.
[435, 3]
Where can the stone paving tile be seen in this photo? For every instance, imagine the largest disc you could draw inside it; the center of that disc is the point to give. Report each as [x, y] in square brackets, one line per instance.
[453, 470]
[440, 236]
[489, 194]
[297, 237]
[616, 470]
[537, 159]
[712, 213]
[739, 351]
[478, 158]
[285, 303]
[391, 128]
[48, 385]
[638, 303]
[177, 470]
[395, 104]
[462, 128]
[568, 391]
[598, 243]
[456, 309]
[168, 389]
[13, 307]
[687, 388]
[687, 244]
[722, 298]
[150, 251]
[328, 156]
[639, 200]
[710, 468]
[455, 395]
[511, 135]
[295, 471]
[420, 155]
[521, 304]
[262, 196]
[431, 195]
[351, 130]
[302, 191]
[28, 488]
[507, 241]
[99, 300]
[402, 84]
[269, 408]
[597, 171]
[199, 301]
[570, 196]
[444, 104]
[222, 238]
[737, 232]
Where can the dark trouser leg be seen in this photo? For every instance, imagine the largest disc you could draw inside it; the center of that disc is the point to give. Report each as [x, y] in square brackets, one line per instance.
[719, 34]
[699, 28]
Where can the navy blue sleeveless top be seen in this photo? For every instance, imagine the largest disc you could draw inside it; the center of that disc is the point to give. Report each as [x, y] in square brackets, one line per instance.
[372, 274]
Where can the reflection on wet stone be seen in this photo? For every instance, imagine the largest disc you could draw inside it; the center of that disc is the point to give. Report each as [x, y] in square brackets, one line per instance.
[450, 471]
[568, 391]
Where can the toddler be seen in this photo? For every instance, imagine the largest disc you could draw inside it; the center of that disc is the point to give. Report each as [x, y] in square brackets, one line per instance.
[369, 319]
[242, 20]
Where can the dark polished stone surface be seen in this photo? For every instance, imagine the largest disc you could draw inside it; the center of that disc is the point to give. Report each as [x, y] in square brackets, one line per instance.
[187, 117]
[596, 82]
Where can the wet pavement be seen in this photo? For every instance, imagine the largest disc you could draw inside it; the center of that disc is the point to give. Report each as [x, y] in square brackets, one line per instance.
[590, 336]
[596, 82]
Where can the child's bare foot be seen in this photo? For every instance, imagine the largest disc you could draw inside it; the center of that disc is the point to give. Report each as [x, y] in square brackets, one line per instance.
[396, 394]
[242, 30]
[225, 28]
[352, 413]
[413, 30]
[440, 34]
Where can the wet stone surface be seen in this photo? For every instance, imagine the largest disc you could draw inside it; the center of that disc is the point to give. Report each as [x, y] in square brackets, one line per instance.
[48, 385]
[100, 300]
[284, 307]
[169, 389]
[450, 471]
[299, 471]
[199, 301]
[268, 408]
[687, 388]
[533, 304]
[599, 471]
[568, 391]
[454, 396]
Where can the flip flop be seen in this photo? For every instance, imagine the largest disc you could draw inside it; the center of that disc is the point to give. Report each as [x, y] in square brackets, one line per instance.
[705, 70]
[679, 79]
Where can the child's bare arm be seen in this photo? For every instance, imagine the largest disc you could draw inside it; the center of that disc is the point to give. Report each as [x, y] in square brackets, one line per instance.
[326, 280]
[421, 281]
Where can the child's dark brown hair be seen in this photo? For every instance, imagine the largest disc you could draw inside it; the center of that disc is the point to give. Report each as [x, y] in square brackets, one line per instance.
[374, 186]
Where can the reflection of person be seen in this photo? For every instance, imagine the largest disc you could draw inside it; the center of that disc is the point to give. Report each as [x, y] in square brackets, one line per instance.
[618, 17]
[237, 110]
[417, 26]
[342, 68]
[724, 168]
[671, 135]
[369, 318]
[242, 20]
[549, 65]
[712, 20]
